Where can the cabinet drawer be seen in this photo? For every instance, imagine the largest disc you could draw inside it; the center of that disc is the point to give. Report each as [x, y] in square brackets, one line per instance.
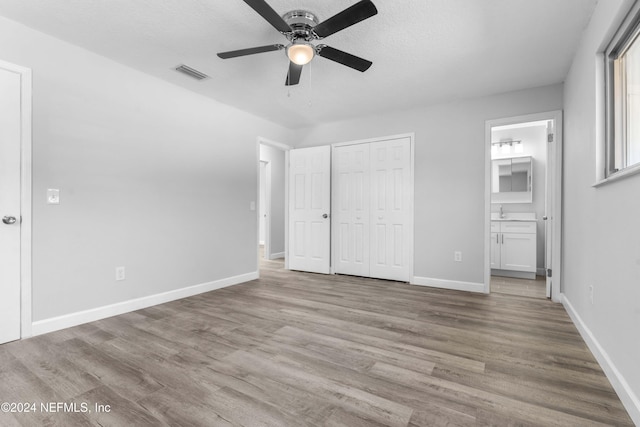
[495, 227]
[528, 227]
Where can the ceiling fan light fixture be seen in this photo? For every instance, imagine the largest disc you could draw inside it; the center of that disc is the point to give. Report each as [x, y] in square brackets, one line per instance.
[301, 53]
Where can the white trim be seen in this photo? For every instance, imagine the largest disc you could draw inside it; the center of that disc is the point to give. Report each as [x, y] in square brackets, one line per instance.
[267, 207]
[412, 137]
[80, 317]
[277, 255]
[541, 272]
[557, 196]
[624, 173]
[26, 93]
[630, 401]
[257, 205]
[448, 284]
[274, 144]
[529, 275]
[286, 210]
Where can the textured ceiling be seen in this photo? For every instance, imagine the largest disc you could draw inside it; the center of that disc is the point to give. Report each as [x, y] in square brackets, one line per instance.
[423, 51]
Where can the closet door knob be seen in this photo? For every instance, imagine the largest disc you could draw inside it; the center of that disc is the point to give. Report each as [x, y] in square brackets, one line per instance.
[325, 216]
[9, 220]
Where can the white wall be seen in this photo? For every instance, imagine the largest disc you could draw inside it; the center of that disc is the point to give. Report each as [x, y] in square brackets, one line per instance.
[601, 225]
[152, 177]
[275, 157]
[534, 143]
[450, 171]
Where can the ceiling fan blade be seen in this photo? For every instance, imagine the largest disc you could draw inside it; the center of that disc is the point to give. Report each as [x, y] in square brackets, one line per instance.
[270, 15]
[352, 15]
[250, 51]
[344, 58]
[293, 76]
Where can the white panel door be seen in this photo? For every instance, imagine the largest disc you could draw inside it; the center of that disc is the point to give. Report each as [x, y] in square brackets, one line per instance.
[10, 125]
[391, 207]
[309, 209]
[351, 210]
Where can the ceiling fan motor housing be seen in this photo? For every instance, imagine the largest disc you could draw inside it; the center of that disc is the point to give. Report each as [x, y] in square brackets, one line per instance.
[301, 23]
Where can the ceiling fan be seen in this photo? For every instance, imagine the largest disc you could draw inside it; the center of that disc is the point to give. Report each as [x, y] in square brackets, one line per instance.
[301, 27]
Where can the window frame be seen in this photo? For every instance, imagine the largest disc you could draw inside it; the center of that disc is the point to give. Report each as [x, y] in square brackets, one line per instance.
[615, 127]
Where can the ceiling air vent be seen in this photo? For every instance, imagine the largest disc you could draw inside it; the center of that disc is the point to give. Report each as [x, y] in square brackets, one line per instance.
[198, 75]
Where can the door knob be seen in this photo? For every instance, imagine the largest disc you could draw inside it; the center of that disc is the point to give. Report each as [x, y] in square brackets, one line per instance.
[325, 216]
[9, 220]
[544, 218]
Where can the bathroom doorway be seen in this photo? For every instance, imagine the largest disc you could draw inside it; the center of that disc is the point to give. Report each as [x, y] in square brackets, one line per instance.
[271, 201]
[522, 206]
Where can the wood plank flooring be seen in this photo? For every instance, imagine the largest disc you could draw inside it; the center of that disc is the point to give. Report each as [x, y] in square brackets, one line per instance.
[536, 288]
[297, 349]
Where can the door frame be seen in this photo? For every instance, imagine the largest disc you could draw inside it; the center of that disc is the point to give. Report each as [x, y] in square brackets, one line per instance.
[267, 207]
[25, 195]
[284, 147]
[554, 175]
[334, 240]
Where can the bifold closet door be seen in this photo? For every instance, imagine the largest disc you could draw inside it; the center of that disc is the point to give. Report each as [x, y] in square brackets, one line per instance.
[351, 213]
[391, 207]
[372, 210]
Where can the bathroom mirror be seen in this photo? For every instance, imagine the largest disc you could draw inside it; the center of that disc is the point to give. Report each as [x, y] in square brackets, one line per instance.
[511, 180]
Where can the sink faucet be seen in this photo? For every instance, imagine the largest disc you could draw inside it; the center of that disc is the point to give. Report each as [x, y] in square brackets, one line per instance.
[501, 212]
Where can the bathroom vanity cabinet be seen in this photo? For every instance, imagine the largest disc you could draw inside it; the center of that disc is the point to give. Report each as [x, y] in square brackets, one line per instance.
[513, 249]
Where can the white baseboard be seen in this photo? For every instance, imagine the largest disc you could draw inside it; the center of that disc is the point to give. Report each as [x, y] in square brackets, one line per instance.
[448, 284]
[78, 318]
[620, 385]
[530, 275]
[277, 255]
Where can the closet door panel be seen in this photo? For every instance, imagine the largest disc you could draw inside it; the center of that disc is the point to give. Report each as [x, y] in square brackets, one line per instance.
[351, 213]
[391, 214]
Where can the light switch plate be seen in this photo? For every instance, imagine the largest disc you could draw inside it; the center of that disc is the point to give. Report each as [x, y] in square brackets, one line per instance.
[53, 196]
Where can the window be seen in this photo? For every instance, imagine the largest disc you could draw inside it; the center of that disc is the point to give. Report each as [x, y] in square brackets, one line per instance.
[622, 73]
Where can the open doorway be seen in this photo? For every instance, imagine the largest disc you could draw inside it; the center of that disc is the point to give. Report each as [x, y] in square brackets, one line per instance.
[271, 200]
[523, 212]
[263, 230]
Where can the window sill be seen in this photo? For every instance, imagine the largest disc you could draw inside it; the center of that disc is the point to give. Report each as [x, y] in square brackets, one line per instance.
[624, 173]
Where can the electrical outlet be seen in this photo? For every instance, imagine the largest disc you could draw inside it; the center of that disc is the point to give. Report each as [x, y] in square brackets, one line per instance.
[53, 196]
[591, 294]
[120, 273]
[457, 256]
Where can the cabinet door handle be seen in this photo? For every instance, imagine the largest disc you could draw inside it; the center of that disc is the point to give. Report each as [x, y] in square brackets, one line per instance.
[503, 239]
[497, 237]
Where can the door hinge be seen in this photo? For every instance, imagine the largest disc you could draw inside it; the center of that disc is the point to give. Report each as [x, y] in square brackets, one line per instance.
[550, 137]
[549, 273]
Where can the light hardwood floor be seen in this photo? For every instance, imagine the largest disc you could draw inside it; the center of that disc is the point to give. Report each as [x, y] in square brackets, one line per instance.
[296, 349]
